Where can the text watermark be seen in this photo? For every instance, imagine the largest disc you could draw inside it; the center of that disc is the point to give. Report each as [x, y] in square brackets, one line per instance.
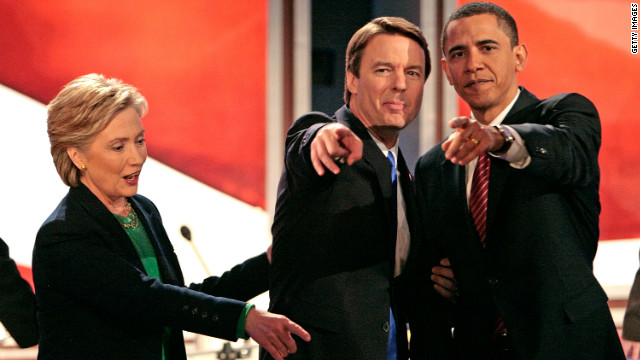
[634, 28]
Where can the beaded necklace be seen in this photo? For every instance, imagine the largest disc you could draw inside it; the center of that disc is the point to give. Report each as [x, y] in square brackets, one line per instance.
[131, 220]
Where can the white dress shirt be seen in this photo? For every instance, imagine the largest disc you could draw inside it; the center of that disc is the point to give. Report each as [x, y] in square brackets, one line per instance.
[403, 238]
[517, 156]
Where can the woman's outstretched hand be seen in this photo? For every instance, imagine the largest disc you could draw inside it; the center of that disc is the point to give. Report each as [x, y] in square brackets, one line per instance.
[273, 332]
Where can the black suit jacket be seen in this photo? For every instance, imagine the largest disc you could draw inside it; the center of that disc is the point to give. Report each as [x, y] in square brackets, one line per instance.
[95, 300]
[17, 302]
[334, 244]
[542, 236]
[631, 324]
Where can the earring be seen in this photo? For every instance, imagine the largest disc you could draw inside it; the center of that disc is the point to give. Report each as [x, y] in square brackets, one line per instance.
[83, 167]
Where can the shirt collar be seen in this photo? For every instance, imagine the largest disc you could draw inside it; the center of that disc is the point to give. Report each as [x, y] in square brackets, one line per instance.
[498, 120]
[384, 149]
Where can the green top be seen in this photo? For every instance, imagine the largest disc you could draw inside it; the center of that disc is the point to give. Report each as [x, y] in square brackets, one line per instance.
[141, 242]
[147, 254]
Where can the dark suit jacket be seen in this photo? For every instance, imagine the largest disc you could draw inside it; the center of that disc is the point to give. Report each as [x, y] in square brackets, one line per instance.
[334, 245]
[631, 324]
[542, 236]
[95, 300]
[17, 302]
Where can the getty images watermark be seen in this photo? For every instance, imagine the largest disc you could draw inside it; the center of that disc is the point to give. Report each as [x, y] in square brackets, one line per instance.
[634, 28]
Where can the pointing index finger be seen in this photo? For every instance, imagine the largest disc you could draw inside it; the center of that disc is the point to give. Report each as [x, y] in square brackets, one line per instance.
[459, 122]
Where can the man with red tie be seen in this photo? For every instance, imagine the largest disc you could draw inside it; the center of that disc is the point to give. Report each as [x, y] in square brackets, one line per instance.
[511, 198]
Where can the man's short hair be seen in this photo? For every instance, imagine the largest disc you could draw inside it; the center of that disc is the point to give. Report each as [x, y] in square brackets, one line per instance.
[505, 20]
[381, 25]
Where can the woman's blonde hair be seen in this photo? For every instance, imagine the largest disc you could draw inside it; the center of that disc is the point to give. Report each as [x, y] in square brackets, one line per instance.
[82, 109]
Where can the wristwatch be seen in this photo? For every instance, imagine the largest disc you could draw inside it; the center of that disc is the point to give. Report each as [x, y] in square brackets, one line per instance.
[508, 139]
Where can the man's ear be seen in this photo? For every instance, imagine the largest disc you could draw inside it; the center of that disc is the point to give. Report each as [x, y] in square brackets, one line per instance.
[445, 68]
[352, 82]
[521, 53]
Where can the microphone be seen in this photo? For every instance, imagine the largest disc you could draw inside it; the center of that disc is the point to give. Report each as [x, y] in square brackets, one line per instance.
[186, 234]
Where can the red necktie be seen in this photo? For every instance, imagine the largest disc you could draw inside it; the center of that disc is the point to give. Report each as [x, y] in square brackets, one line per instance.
[478, 205]
[480, 195]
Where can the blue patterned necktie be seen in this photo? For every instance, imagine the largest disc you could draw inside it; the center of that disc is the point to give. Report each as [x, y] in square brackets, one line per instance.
[394, 175]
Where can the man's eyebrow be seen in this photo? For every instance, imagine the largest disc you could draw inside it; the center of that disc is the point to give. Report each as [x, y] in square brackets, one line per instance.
[382, 63]
[487, 41]
[456, 48]
[478, 43]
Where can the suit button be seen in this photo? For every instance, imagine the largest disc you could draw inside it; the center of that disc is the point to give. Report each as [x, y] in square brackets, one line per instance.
[493, 281]
[386, 327]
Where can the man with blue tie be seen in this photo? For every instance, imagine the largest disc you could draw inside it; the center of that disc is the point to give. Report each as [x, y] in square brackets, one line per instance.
[340, 237]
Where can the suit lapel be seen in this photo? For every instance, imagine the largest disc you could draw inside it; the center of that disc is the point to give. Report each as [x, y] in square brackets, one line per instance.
[371, 153]
[116, 237]
[407, 185]
[373, 160]
[453, 179]
[156, 236]
[500, 169]
[408, 188]
[525, 100]
[497, 178]
[454, 182]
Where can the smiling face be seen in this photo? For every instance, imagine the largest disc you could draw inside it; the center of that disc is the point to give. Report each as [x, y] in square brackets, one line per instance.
[481, 64]
[113, 160]
[388, 94]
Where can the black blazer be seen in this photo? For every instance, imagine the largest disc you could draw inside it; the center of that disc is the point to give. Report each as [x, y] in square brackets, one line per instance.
[17, 302]
[542, 236]
[631, 323]
[95, 300]
[334, 246]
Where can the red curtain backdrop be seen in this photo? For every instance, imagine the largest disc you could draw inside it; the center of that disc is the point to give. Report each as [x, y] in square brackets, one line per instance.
[201, 64]
[585, 47]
